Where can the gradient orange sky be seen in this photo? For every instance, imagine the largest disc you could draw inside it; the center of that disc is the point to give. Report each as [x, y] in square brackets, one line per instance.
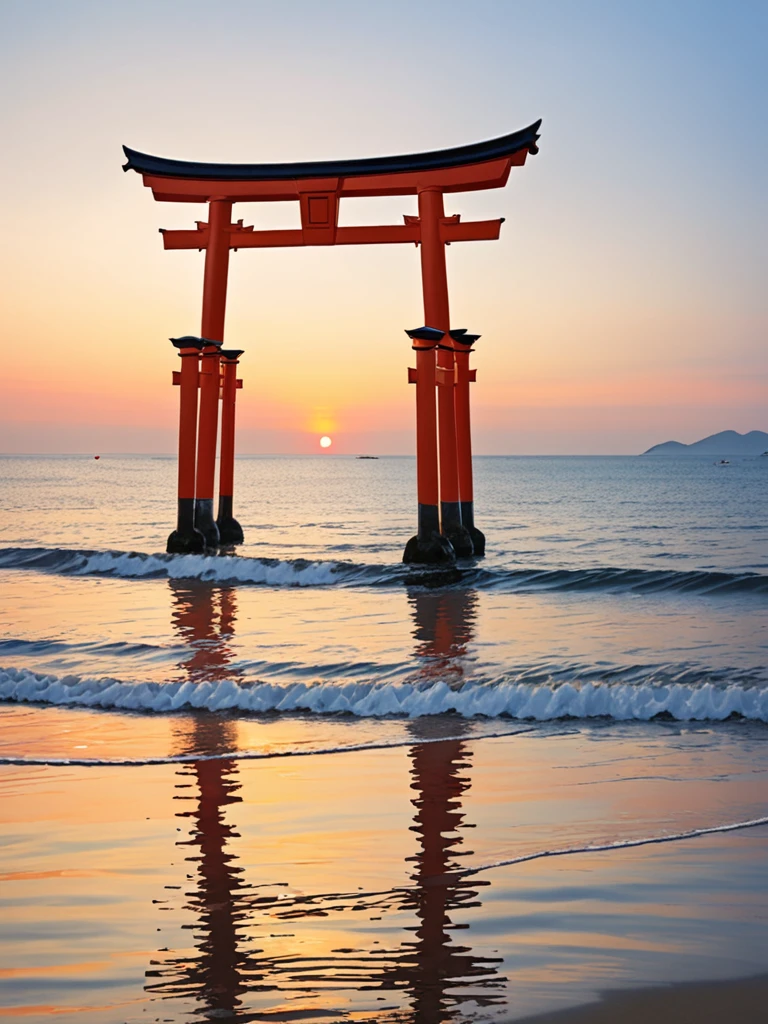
[623, 306]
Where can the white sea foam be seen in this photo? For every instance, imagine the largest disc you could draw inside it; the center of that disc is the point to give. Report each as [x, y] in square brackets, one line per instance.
[540, 702]
[137, 565]
[212, 568]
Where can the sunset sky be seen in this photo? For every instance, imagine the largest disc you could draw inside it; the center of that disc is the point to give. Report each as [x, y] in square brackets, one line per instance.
[624, 305]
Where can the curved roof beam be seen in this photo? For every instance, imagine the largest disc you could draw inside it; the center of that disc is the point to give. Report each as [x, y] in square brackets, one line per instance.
[478, 152]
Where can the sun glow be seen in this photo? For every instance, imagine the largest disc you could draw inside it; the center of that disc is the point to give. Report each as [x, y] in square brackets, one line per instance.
[325, 441]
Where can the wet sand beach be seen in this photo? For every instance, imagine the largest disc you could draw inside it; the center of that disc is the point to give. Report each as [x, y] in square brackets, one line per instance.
[336, 886]
[703, 1003]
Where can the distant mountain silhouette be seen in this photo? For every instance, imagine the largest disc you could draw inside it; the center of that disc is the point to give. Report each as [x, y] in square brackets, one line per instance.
[727, 442]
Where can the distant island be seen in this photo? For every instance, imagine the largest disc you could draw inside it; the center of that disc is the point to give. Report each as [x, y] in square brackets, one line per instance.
[727, 442]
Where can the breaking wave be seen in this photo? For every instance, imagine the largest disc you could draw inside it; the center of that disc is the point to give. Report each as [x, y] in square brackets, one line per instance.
[277, 572]
[506, 699]
[137, 565]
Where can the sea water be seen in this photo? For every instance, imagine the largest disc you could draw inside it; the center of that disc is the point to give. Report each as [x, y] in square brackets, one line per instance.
[619, 588]
[331, 720]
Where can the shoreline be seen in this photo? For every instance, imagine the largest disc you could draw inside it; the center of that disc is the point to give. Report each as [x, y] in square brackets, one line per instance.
[738, 1001]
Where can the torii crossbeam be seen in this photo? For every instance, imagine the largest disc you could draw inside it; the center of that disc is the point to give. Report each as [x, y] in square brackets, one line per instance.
[444, 471]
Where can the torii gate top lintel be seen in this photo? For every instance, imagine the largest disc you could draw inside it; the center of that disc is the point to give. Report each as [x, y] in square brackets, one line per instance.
[464, 168]
[319, 185]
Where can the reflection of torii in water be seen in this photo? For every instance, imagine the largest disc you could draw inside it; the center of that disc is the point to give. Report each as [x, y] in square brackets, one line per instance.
[204, 617]
[443, 625]
[436, 974]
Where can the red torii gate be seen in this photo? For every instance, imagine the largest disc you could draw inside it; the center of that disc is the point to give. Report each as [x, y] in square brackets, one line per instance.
[444, 472]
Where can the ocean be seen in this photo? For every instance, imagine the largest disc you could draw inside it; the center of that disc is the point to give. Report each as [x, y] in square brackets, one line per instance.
[591, 699]
[613, 587]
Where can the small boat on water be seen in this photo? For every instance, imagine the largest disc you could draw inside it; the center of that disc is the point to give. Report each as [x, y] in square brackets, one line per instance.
[367, 456]
[723, 462]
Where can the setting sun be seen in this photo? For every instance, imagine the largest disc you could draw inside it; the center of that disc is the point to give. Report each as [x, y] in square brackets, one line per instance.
[325, 442]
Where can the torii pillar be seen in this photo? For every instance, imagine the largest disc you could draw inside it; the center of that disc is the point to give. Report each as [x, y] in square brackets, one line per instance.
[214, 310]
[436, 314]
[186, 539]
[429, 546]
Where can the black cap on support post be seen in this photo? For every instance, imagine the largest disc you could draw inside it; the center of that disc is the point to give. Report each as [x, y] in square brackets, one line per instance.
[190, 341]
[430, 335]
[461, 336]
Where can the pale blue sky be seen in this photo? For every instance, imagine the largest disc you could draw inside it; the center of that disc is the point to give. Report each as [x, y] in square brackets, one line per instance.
[634, 253]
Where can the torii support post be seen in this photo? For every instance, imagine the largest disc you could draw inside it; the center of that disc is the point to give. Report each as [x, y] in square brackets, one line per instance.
[429, 546]
[230, 531]
[214, 308]
[185, 539]
[436, 314]
[206, 443]
[462, 344]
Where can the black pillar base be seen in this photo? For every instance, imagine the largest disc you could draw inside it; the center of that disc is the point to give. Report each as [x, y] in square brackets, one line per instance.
[433, 550]
[230, 531]
[205, 522]
[429, 546]
[461, 541]
[478, 541]
[185, 539]
[468, 519]
[455, 530]
[190, 542]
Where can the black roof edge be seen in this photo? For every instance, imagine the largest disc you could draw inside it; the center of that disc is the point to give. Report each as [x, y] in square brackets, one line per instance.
[477, 152]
